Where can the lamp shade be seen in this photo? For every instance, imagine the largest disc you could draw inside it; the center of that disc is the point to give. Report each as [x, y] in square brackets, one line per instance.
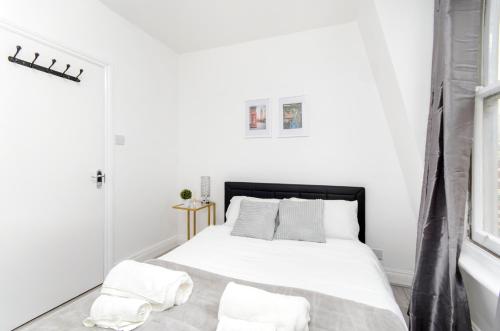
[205, 188]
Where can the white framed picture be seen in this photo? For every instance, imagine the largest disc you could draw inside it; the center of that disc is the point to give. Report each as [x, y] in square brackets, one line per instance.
[258, 118]
[293, 117]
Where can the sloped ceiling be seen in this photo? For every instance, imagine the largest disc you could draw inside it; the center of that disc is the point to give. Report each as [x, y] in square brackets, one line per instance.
[189, 25]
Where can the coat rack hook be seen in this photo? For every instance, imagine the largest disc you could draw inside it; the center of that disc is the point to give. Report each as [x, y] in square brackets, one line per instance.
[42, 68]
[18, 49]
[81, 72]
[36, 57]
[53, 62]
[67, 68]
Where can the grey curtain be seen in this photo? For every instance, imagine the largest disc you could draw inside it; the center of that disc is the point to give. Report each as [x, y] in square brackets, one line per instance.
[439, 301]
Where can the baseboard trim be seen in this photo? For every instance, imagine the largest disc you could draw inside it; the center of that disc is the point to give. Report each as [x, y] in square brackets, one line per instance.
[475, 327]
[155, 250]
[181, 239]
[399, 277]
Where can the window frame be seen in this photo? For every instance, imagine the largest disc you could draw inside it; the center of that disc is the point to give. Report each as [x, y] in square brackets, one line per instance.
[480, 214]
[490, 35]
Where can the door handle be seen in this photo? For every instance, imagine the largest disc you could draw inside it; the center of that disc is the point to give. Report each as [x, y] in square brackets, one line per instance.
[100, 178]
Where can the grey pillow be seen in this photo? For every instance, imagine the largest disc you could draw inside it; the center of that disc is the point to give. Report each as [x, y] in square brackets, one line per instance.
[301, 220]
[256, 220]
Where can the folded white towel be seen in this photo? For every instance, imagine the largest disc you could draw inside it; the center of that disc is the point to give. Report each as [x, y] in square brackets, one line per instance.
[161, 287]
[287, 313]
[117, 313]
[230, 324]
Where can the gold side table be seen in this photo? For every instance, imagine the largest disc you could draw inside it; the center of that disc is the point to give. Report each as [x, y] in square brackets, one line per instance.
[196, 207]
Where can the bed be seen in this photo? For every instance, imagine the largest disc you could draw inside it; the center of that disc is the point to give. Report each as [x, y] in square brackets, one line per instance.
[342, 279]
[346, 269]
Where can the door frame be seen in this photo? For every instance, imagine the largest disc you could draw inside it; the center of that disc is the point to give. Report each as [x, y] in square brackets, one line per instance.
[108, 253]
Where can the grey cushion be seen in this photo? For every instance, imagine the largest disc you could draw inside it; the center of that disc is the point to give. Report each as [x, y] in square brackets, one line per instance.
[301, 220]
[256, 220]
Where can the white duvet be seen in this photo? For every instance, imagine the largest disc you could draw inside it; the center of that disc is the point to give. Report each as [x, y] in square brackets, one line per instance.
[343, 268]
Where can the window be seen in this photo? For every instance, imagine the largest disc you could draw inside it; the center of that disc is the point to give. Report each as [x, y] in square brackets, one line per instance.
[485, 225]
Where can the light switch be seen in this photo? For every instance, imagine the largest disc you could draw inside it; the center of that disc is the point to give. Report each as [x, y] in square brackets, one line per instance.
[119, 140]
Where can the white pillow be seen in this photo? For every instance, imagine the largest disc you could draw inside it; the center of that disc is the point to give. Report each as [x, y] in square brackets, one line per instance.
[341, 219]
[233, 211]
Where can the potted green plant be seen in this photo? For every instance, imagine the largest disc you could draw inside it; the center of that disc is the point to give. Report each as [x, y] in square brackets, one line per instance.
[186, 195]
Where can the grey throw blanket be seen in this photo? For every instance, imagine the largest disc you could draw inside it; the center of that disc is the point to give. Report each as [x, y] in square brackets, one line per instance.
[200, 312]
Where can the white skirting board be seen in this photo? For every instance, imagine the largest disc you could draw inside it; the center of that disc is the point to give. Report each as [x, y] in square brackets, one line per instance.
[181, 239]
[399, 277]
[155, 250]
[475, 327]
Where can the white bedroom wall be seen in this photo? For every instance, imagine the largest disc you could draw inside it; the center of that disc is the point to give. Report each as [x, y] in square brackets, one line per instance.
[144, 80]
[408, 29]
[350, 142]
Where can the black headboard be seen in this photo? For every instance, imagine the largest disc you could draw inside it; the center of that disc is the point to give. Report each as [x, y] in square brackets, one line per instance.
[282, 191]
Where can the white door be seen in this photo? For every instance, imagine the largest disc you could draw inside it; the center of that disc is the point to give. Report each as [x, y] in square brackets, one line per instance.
[51, 211]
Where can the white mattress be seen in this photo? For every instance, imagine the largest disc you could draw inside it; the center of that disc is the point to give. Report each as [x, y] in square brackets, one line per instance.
[342, 268]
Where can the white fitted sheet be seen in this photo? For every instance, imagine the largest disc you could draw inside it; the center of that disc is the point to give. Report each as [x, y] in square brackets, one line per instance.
[343, 268]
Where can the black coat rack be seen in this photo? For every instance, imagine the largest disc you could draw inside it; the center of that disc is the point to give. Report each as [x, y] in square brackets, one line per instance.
[48, 70]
